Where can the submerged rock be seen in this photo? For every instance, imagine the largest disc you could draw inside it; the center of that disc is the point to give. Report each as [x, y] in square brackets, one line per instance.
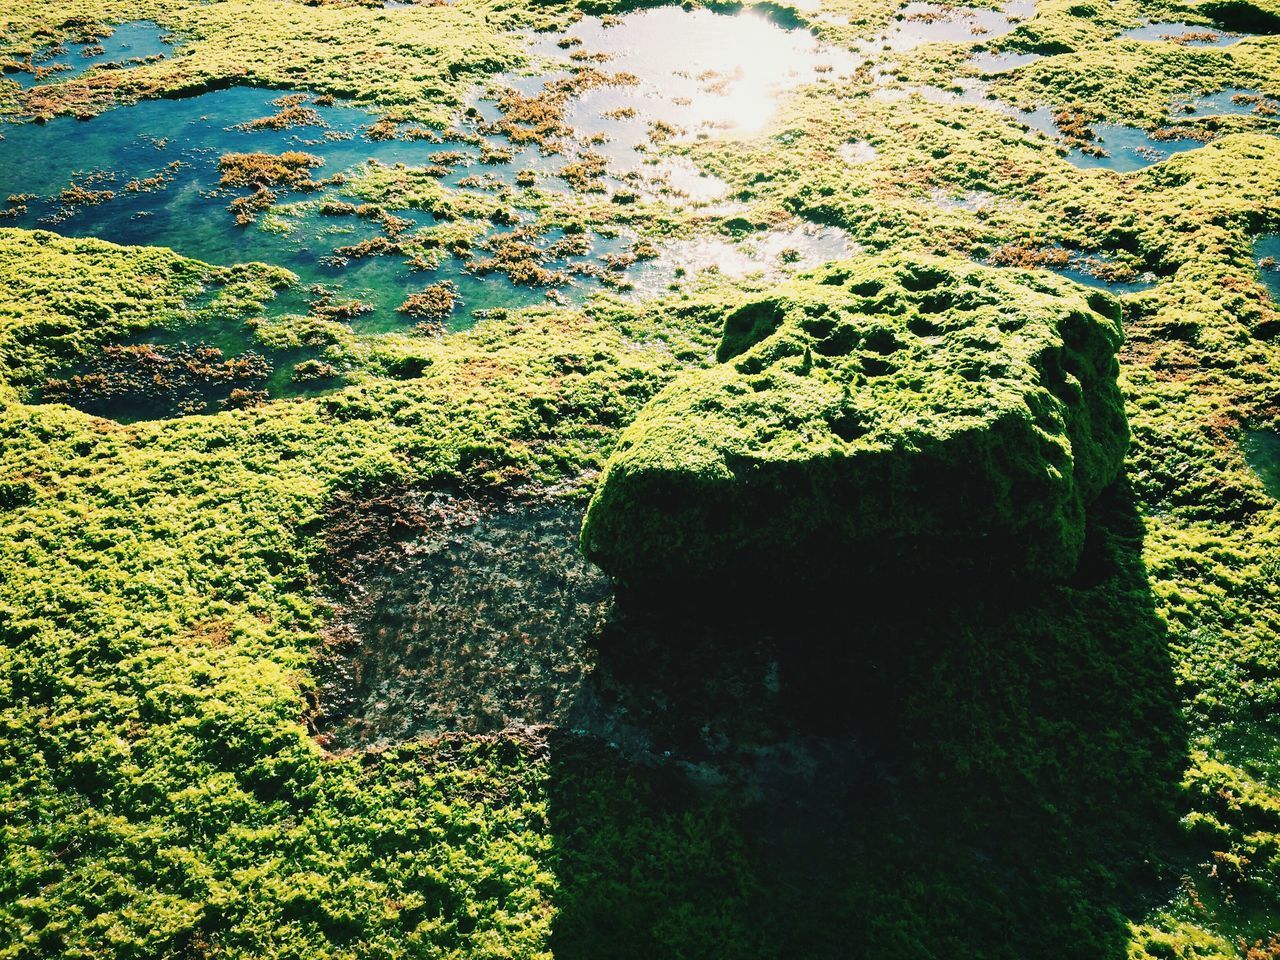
[901, 415]
[452, 612]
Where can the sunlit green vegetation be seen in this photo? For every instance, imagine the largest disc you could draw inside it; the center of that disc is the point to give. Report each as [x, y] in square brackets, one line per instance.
[1089, 767]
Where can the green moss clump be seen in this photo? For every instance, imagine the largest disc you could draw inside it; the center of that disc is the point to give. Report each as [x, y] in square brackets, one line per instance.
[908, 413]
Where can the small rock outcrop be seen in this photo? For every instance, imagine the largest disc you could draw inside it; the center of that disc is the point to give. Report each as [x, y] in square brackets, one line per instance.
[898, 416]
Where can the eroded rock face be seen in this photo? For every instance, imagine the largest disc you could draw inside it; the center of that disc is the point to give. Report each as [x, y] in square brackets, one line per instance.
[890, 417]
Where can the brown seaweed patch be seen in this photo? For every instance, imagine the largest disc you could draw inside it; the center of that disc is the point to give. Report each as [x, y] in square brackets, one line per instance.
[373, 247]
[432, 305]
[515, 255]
[79, 195]
[289, 169]
[132, 381]
[1028, 258]
[157, 181]
[540, 118]
[293, 112]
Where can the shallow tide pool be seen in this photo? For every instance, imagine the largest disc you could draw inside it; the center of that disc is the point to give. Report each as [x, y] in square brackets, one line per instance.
[124, 158]
[129, 44]
[149, 173]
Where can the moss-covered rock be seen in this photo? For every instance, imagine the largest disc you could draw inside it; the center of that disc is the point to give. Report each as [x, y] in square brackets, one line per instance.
[902, 414]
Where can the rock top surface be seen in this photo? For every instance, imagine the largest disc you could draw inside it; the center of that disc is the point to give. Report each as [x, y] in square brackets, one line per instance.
[894, 416]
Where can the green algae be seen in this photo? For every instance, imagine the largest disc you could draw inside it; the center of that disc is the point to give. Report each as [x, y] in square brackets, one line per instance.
[160, 629]
[418, 63]
[899, 416]
[205, 519]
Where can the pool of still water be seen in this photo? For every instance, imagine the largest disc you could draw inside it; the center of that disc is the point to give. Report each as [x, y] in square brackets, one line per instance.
[1262, 453]
[189, 212]
[699, 71]
[128, 44]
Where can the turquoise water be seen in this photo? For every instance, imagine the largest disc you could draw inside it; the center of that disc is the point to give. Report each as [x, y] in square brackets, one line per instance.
[1233, 101]
[188, 213]
[1119, 287]
[128, 44]
[1266, 249]
[1262, 453]
[1091, 269]
[1128, 148]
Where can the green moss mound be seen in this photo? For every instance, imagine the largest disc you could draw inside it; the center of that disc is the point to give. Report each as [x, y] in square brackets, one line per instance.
[898, 415]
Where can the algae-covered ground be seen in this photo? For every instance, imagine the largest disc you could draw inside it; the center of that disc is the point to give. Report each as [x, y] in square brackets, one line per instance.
[300, 653]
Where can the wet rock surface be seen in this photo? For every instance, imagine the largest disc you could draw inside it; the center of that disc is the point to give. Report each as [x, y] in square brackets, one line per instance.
[454, 613]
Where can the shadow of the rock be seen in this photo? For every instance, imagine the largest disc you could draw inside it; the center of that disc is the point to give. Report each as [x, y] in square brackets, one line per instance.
[836, 773]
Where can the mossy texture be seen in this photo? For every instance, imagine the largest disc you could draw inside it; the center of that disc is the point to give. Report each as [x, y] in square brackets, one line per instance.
[907, 415]
[1083, 769]
[417, 62]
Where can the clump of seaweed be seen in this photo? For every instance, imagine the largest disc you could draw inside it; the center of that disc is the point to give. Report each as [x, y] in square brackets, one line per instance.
[373, 247]
[540, 118]
[313, 371]
[1074, 126]
[294, 112]
[1029, 257]
[1262, 105]
[289, 169]
[337, 208]
[78, 195]
[383, 129]
[262, 171]
[342, 310]
[519, 258]
[584, 174]
[247, 208]
[157, 181]
[134, 380]
[490, 154]
[433, 304]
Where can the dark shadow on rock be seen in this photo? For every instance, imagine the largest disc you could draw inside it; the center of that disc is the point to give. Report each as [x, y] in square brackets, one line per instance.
[825, 772]
[1243, 16]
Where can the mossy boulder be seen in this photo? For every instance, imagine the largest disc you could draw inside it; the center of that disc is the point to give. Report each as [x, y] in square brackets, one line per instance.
[894, 416]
